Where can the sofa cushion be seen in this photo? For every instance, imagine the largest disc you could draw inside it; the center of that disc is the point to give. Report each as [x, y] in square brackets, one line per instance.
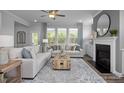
[15, 53]
[26, 53]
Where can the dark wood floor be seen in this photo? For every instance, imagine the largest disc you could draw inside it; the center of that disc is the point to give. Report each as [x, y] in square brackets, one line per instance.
[108, 77]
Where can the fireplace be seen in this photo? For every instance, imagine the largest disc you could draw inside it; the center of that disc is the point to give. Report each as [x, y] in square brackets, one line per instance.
[110, 44]
[103, 58]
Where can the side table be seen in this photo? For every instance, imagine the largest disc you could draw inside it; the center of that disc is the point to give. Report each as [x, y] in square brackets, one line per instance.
[8, 67]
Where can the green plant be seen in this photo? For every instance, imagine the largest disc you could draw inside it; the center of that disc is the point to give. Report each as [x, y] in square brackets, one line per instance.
[113, 32]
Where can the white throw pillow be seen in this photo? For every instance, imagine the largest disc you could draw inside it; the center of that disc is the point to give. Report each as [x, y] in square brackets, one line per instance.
[33, 53]
[32, 50]
[15, 53]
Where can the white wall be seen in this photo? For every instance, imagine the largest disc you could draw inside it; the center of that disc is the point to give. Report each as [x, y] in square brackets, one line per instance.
[36, 27]
[40, 28]
[7, 21]
[121, 29]
[87, 29]
[0, 21]
[7, 26]
[16, 18]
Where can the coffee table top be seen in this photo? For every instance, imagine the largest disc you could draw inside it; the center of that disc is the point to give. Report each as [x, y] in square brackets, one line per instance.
[62, 56]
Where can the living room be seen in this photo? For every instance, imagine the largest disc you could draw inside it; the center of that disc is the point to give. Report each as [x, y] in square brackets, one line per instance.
[61, 46]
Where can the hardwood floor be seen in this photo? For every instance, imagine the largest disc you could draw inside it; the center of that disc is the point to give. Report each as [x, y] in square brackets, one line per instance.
[109, 77]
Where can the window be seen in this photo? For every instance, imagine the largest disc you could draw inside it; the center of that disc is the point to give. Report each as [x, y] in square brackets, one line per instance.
[35, 38]
[73, 35]
[51, 35]
[61, 35]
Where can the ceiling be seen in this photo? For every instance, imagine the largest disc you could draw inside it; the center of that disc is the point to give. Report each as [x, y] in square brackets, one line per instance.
[72, 16]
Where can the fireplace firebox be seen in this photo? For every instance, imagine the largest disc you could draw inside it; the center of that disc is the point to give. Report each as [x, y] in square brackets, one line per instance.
[103, 58]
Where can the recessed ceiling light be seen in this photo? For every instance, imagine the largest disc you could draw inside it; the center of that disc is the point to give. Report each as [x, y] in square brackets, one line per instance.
[35, 20]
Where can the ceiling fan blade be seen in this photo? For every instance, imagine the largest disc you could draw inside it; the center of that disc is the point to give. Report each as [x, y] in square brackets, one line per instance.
[60, 15]
[43, 15]
[44, 11]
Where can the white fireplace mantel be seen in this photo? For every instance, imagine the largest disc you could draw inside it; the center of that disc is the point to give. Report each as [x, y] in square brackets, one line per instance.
[107, 41]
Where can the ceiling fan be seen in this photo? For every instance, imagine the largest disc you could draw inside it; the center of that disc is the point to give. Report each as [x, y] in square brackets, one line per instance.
[52, 14]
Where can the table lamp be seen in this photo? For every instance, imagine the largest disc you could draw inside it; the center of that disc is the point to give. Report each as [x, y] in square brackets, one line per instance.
[45, 41]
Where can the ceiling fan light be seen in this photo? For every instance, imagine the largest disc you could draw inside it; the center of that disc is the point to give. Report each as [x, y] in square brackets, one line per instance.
[51, 16]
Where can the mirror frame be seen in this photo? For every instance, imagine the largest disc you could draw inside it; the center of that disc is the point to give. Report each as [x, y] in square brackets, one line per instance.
[108, 26]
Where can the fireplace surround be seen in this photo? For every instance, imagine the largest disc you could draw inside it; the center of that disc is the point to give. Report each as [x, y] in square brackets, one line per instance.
[111, 41]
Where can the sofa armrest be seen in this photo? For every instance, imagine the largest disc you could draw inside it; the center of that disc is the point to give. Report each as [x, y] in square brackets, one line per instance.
[28, 67]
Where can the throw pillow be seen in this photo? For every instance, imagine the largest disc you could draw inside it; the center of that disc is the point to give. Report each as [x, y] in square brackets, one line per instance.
[32, 51]
[54, 47]
[26, 53]
[72, 48]
[77, 48]
[33, 54]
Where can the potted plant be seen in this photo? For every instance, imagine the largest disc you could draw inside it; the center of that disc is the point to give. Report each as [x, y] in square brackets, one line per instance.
[113, 32]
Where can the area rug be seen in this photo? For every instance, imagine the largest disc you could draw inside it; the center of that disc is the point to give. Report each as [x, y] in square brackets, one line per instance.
[80, 72]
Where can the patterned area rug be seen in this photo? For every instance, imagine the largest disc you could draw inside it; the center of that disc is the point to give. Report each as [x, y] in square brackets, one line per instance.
[80, 72]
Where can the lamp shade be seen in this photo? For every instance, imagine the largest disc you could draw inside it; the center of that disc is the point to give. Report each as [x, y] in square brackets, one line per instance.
[6, 41]
[45, 40]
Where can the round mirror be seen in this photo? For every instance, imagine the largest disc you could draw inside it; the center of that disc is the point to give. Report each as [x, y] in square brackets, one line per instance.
[103, 25]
